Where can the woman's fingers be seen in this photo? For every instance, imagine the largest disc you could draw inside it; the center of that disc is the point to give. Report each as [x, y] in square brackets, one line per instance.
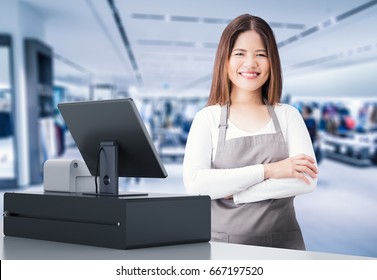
[300, 166]
[306, 165]
[308, 170]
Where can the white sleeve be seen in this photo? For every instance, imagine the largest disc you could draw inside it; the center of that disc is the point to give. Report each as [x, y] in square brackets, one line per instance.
[199, 178]
[298, 142]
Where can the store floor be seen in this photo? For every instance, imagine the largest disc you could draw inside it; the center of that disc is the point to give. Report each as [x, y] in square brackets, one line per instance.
[340, 216]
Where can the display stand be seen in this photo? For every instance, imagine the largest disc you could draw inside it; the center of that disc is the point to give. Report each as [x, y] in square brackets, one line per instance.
[108, 167]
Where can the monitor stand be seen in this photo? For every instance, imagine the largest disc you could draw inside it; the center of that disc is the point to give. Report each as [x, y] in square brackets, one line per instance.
[108, 170]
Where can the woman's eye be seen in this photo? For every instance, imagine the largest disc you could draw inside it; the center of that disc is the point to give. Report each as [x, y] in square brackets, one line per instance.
[262, 54]
[238, 54]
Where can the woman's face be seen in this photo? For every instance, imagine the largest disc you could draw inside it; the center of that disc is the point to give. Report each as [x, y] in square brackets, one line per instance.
[249, 67]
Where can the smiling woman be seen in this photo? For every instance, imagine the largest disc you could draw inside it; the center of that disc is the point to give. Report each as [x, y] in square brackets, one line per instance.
[246, 150]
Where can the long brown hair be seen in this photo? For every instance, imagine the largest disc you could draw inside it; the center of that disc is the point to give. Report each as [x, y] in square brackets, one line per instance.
[221, 85]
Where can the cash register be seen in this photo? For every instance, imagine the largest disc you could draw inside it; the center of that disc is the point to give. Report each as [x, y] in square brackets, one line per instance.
[81, 202]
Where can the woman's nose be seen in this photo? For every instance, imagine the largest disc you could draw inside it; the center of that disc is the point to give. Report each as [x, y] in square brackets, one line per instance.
[250, 61]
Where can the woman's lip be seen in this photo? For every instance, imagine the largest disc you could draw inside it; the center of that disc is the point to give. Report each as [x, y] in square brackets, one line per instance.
[249, 75]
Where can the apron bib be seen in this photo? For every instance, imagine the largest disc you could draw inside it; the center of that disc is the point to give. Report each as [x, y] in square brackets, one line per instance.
[270, 222]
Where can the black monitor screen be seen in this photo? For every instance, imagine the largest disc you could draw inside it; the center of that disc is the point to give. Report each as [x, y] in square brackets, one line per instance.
[91, 123]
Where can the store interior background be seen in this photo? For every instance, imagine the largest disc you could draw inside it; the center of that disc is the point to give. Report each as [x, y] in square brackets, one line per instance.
[161, 54]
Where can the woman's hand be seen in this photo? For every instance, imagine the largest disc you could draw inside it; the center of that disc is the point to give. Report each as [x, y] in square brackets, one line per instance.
[292, 167]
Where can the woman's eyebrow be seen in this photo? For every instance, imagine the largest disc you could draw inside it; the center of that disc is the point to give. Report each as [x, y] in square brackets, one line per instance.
[243, 50]
[239, 50]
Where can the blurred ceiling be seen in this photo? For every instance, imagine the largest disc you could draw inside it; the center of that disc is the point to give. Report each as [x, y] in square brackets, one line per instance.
[169, 45]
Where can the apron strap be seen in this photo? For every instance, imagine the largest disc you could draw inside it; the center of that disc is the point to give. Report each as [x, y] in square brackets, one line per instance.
[272, 113]
[223, 125]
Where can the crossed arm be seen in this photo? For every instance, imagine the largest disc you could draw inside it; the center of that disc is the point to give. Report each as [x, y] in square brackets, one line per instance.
[292, 176]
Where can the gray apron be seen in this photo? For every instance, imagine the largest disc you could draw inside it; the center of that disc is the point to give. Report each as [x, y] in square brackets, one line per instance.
[270, 222]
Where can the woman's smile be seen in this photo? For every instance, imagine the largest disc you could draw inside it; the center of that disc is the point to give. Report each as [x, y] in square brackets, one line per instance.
[249, 75]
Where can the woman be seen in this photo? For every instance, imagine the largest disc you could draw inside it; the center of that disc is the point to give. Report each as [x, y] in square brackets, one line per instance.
[247, 151]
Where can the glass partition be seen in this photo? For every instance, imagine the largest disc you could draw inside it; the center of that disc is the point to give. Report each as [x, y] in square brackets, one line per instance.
[7, 136]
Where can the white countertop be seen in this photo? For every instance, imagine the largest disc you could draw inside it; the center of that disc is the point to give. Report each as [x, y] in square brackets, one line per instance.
[15, 248]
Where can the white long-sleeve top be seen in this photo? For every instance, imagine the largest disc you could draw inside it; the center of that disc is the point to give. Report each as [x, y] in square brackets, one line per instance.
[246, 184]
